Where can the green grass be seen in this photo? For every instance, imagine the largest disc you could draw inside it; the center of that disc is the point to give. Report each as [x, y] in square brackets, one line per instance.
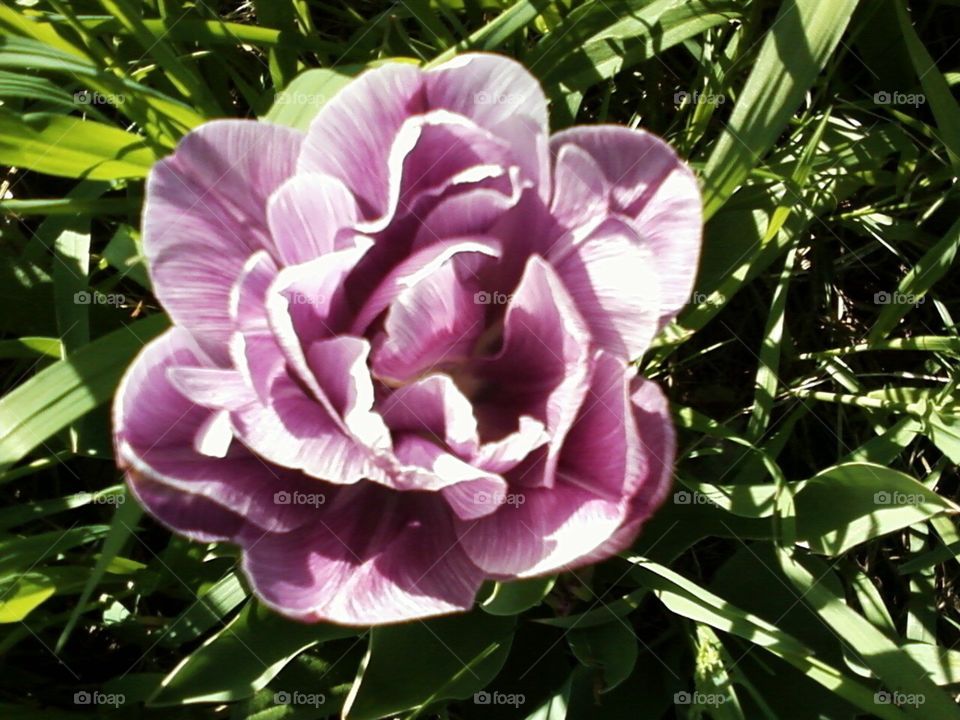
[807, 565]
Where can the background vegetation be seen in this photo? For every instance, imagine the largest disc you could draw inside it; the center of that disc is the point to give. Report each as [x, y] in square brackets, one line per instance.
[806, 566]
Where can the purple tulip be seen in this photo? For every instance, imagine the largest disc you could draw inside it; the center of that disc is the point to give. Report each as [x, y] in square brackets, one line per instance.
[398, 365]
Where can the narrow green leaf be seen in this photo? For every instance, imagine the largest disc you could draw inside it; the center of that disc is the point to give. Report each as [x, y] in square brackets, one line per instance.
[801, 38]
[512, 598]
[60, 394]
[71, 147]
[456, 656]
[242, 658]
[125, 519]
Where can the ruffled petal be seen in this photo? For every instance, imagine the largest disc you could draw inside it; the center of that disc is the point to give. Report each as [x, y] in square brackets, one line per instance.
[396, 561]
[501, 95]
[306, 215]
[351, 136]
[156, 430]
[340, 366]
[610, 476]
[435, 406]
[205, 214]
[613, 278]
[656, 190]
[410, 347]
[541, 371]
[296, 431]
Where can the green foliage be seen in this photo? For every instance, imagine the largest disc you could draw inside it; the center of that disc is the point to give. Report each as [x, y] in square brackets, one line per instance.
[805, 566]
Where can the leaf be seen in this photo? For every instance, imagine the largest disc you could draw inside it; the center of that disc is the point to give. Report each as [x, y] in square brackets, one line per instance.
[848, 504]
[125, 518]
[455, 657]
[689, 600]
[125, 253]
[22, 596]
[212, 607]
[72, 147]
[915, 284]
[300, 101]
[30, 347]
[242, 658]
[896, 668]
[497, 31]
[944, 430]
[942, 103]
[17, 555]
[801, 38]
[587, 48]
[611, 648]
[512, 598]
[58, 395]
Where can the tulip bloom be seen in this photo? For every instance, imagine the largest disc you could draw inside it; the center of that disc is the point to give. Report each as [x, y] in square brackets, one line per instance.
[399, 359]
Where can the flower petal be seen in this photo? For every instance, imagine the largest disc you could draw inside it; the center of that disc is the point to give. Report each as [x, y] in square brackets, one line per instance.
[501, 95]
[156, 427]
[351, 136]
[541, 371]
[307, 213]
[657, 191]
[205, 214]
[613, 278]
[435, 406]
[340, 366]
[609, 478]
[409, 347]
[398, 561]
